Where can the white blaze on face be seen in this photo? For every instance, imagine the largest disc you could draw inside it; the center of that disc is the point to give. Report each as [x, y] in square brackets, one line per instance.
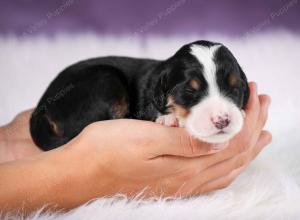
[216, 119]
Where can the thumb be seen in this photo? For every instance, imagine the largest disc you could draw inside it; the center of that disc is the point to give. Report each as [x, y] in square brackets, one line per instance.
[177, 142]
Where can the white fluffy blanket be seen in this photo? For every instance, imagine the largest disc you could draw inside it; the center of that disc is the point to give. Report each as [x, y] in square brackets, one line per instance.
[268, 189]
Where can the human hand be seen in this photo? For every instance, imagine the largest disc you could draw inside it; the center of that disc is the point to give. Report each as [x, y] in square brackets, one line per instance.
[15, 139]
[127, 156]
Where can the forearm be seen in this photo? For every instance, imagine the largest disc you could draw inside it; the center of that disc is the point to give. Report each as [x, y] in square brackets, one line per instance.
[58, 178]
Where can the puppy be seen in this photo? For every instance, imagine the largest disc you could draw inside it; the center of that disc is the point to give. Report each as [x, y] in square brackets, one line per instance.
[201, 87]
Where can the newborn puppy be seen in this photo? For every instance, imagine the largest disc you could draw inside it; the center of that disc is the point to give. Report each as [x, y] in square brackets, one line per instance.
[201, 87]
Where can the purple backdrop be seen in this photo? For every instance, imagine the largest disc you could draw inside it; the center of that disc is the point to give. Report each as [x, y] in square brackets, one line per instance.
[235, 17]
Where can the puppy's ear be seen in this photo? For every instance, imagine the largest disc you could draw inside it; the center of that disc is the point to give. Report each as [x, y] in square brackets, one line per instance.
[246, 89]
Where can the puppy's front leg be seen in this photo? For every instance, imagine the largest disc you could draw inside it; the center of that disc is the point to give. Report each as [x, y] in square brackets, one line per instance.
[168, 120]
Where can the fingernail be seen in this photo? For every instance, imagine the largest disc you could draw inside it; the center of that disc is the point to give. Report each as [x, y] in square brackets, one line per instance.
[219, 146]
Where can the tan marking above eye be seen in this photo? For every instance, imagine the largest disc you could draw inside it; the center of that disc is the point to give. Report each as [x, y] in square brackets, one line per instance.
[195, 84]
[177, 109]
[233, 80]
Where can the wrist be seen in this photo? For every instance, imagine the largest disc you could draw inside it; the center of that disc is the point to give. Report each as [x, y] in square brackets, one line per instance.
[88, 171]
[73, 174]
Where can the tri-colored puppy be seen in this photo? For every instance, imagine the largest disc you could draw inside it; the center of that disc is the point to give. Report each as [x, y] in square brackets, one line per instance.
[201, 87]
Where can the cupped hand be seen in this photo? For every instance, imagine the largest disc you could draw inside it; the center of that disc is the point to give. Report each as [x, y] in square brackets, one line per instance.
[130, 156]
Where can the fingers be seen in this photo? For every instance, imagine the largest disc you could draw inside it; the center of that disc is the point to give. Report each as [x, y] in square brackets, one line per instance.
[257, 106]
[253, 101]
[264, 101]
[177, 142]
[252, 110]
[265, 138]
[204, 174]
[227, 178]
[219, 183]
[257, 111]
[216, 171]
[249, 135]
[220, 169]
[168, 120]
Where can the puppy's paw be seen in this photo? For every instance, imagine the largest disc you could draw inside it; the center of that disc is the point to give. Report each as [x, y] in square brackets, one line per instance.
[168, 120]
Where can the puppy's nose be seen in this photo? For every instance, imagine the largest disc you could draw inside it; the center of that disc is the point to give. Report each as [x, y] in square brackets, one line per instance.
[221, 122]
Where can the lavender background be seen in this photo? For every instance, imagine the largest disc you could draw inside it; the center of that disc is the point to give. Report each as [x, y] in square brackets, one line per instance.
[139, 17]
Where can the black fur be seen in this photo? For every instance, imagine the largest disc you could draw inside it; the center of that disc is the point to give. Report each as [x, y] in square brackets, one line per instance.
[121, 87]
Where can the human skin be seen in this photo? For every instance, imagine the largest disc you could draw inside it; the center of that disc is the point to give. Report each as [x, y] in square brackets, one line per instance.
[124, 156]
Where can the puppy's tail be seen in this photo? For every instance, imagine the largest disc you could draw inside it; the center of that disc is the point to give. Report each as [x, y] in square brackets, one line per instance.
[46, 133]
